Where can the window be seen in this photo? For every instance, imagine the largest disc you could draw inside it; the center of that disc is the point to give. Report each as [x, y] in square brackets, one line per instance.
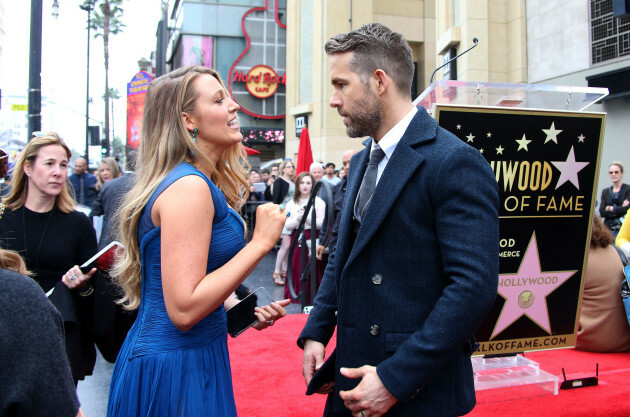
[610, 36]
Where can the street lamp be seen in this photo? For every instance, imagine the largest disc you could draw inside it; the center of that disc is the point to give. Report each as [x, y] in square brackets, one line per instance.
[35, 66]
[88, 6]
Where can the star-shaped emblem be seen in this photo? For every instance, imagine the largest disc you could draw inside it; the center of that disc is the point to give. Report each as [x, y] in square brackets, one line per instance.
[470, 137]
[500, 150]
[522, 143]
[481, 150]
[489, 134]
[459, 127]
[569, 169]
[552, 133]
[581, 138]
[526, 291]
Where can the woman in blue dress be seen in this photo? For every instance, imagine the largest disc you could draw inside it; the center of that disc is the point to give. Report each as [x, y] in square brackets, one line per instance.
[185, 253]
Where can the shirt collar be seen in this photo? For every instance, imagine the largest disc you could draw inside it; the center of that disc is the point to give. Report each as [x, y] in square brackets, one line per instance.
[389, 142]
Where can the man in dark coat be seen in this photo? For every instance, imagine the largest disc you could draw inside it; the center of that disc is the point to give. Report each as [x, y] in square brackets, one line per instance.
[415, 269]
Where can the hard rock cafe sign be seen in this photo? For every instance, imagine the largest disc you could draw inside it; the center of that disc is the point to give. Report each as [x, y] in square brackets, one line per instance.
[261, 81]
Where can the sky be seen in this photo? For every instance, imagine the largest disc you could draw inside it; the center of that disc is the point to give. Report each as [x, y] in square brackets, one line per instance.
[64, 50]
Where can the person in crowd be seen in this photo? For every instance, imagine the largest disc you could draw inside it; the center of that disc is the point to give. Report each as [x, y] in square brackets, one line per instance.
[269, 181]
[603, 325]
[109, 199]
[295, 208]
[282, 192]
[330, 176]
[339, 193]
[35, 379]
[316, 171]
[81, 182]
[341, 173]
[254, 199]
[179, 222]
[265, 175]
[41, 224]
[113, 323]
[615, 199]
[254, 195]
[108, 169]
[416, 266]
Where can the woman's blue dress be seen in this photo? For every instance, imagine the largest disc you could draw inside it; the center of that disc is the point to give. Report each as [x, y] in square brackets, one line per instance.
[163, 371]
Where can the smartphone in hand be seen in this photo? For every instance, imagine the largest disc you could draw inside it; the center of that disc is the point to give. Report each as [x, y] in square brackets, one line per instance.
[241, 317]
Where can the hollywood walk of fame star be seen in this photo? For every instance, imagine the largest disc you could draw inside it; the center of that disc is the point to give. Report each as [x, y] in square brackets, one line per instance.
[500, 150]
[552, 133]
[569, 169]
[526, 291]
[470, 137]
[522, 143]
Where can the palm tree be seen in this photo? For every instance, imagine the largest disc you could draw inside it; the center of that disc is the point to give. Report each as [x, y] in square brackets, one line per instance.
[107, 22]
[113, 95]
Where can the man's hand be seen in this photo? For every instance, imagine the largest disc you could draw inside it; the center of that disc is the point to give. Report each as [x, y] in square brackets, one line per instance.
[370, 396]
[313, 360]
[319, 252]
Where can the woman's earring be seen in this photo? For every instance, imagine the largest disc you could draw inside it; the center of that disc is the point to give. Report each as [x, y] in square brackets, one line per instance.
[192, 153]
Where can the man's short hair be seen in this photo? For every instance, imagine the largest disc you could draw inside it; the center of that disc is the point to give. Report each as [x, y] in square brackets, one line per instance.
[264, 171]
[314, 165]
[375, 46]
[330, 164]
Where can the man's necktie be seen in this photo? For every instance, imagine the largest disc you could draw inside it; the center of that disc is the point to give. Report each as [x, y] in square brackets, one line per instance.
[81, 191]
[369, 182]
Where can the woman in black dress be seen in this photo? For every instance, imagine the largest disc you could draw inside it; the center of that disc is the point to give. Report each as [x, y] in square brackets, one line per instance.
[41, 224]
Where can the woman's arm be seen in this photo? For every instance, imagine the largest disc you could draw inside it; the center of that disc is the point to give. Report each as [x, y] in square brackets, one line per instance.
[320, 211]
[185, 211]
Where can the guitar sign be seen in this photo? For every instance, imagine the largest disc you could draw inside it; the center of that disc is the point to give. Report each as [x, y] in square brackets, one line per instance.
[257, 79]
[261, 81]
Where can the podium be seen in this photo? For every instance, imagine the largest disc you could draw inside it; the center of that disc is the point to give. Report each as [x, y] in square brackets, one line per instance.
[527, 96]
[544, 148]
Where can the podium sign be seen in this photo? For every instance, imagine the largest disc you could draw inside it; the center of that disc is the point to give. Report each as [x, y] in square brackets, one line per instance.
[546, 164]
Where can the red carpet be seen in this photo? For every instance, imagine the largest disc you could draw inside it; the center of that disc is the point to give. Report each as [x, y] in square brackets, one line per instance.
[267, 375]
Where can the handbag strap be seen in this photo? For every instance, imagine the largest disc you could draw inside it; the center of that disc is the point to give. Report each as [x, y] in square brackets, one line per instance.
[624, 258]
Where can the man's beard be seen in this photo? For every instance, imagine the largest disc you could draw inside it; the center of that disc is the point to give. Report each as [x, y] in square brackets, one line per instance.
[366, 117]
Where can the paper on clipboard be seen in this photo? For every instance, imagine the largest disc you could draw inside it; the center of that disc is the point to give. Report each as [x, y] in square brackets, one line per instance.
[104, 260]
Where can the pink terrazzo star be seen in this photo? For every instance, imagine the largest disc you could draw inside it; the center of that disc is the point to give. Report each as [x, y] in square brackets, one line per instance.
[526, 291]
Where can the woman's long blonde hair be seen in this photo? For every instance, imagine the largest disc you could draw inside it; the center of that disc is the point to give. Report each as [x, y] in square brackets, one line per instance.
[166, 143]
[19, 181]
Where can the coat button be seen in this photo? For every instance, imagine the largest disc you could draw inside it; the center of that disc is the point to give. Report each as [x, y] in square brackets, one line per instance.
[375, 330]
[377, 279]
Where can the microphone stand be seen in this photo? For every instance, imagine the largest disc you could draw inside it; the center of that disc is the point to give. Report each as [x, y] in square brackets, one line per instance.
[475, 40]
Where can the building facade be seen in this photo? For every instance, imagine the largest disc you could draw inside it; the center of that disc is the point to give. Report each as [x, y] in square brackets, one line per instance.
[245, 41]
[564, 42]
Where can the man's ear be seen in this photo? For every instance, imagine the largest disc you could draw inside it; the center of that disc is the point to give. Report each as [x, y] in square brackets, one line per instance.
[381, 81]
[188, 122]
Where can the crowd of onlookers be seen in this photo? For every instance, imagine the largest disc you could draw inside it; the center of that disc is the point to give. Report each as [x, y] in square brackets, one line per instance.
[280, 185]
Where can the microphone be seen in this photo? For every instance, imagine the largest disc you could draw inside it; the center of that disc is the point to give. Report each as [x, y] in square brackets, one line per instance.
[475, 40]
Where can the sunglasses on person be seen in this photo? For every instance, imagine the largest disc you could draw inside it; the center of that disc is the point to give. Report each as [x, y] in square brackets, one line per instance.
[4, 163]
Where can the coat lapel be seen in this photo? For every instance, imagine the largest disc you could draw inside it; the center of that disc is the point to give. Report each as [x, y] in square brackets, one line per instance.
[358, 164]
[404, 162]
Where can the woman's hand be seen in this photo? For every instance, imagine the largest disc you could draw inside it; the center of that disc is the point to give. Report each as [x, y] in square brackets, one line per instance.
[74, 279]
[269, 314]
[270, 220]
